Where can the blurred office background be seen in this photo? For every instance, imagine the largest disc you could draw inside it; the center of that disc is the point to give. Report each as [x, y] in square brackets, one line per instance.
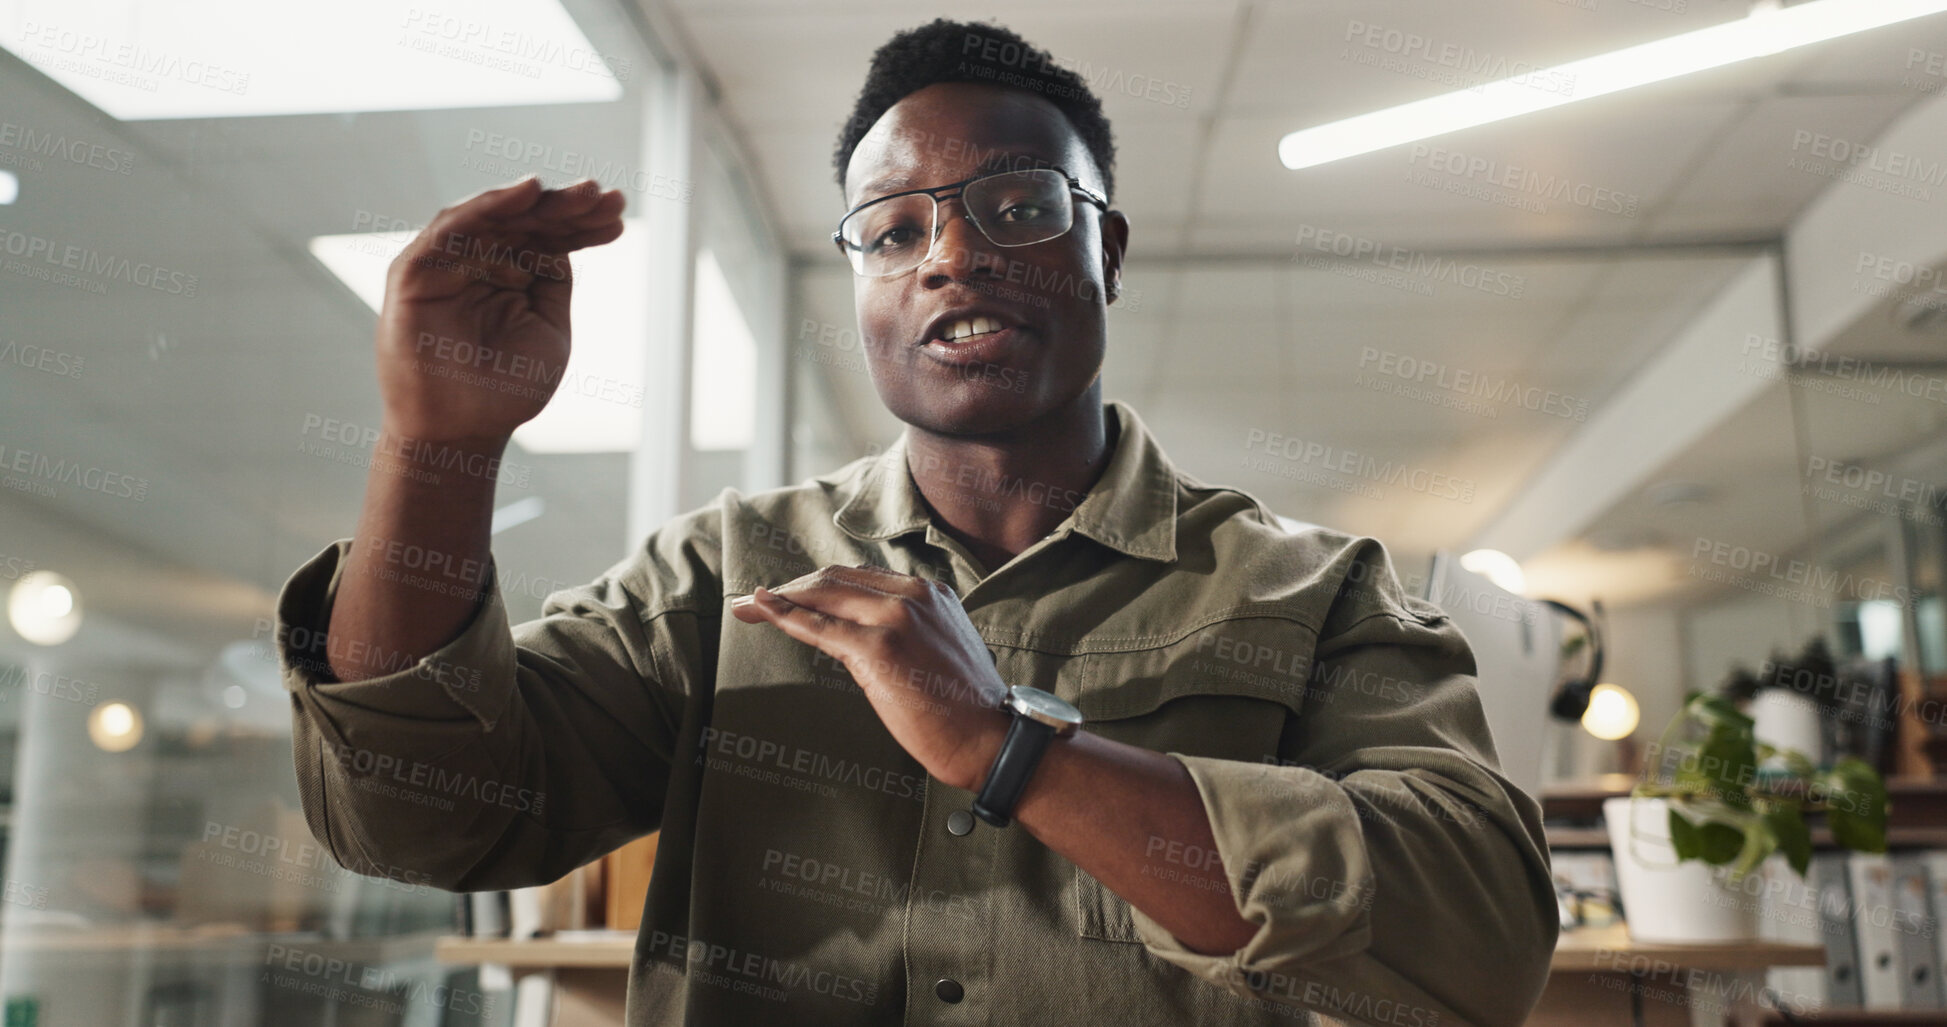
[1574, 337]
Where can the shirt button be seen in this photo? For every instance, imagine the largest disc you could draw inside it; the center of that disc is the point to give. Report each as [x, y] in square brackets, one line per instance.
[959, 822]
[949, 990]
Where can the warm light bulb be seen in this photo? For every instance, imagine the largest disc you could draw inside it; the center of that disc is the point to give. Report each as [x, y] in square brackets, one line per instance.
[1497, 567]
[115, 727]
[1612, 713]
[44, 608]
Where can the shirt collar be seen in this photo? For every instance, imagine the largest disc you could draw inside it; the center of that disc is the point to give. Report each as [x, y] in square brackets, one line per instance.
[1131, 509]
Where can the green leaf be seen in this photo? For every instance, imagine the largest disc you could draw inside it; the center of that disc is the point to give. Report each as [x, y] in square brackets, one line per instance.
[1755, 843]
[1855, 805]
[1715, 711]
[1684, 837]
[1721, 843]
[1787, 825]
[1729, 759]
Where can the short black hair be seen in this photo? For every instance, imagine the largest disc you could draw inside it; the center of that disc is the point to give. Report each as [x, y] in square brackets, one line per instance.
[958, 51]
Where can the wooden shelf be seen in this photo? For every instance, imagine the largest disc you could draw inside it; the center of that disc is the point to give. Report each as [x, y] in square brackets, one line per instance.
[1598, 948]
[615, 950]
[1564, 838]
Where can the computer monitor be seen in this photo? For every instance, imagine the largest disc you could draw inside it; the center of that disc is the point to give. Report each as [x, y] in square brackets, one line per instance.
[1517, 654]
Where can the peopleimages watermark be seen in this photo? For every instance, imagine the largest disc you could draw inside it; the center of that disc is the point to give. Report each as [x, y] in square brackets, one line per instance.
[991, 56]
[311, 651]
[1932, 70]
[1524, 188]
[318, 435]
[833, 883]
[86, 268]
[1786, 578]
[271, 855]
[1418, 378]
[37, 473]
[754, 973]
[844, 349]
[1864, 164]
[51, 684]
[1354, 465]
[28, 145]
[1856, 698]
[428, 785]
[1450, 64]
[1824, 372]
[12, 566]
[1902, 280]
[504, 48]
[42, 359]
[1414, 271]
[346, 982]
[503, 156]
[793, 766]
[503, 370]
[108, 59]
[1869, 488]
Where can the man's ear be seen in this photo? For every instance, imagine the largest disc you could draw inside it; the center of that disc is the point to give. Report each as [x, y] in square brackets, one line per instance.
[1115, 243]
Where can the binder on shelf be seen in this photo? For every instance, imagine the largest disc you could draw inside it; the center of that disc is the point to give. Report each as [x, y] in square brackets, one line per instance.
[1831, 885]
[1880, 951]
[1789, 912]
[1919, 979]
[1936, 863]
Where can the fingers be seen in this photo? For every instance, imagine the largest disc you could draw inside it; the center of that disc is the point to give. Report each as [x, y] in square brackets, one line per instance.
[510, 237]
[836, 636]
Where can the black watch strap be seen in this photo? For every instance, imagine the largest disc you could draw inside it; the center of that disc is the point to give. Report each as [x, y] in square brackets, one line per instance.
[1020, 753]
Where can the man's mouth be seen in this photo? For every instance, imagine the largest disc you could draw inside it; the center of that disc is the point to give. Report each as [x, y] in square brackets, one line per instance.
[969, 328]
[972, 340]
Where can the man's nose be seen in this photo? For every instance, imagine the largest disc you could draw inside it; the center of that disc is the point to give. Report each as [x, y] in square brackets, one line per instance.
[959, 246]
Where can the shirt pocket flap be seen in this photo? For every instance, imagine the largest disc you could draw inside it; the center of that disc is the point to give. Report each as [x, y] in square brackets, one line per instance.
[1258, 657]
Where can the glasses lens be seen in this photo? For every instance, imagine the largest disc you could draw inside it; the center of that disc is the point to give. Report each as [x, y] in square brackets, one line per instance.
[1016, 208]
[890, 237]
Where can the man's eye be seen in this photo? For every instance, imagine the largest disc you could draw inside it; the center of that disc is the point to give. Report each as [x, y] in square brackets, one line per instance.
[890, 239]
[1023, 212]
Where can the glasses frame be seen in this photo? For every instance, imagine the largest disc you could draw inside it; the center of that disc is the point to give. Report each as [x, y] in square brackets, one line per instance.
[956, 189]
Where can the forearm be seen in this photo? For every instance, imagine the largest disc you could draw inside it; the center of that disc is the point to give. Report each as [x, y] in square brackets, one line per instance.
[1133, 819]
[420, 555]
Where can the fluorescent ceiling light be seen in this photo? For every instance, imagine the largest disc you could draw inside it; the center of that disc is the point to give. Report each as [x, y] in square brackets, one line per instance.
[1766, 31]
[723, 365]
[597, 404]
[233, 58]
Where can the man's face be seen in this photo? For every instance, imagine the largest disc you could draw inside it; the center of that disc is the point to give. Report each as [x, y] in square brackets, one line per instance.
[1049, 295]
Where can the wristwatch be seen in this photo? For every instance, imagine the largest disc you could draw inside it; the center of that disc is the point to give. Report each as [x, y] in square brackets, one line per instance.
[1039, 718]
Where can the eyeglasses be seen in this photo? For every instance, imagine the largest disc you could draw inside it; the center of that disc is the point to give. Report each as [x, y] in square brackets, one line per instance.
[883, 237]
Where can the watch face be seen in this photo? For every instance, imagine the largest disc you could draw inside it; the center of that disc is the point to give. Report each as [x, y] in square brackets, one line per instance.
[1046, 707]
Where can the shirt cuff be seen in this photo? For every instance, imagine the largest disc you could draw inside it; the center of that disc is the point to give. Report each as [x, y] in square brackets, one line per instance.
[474, 671]
[1292, 848]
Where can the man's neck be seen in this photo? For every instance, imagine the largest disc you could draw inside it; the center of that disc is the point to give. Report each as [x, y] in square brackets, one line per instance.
[999, 494]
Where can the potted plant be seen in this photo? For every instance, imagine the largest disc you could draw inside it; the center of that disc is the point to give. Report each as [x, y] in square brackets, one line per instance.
[1713, 805]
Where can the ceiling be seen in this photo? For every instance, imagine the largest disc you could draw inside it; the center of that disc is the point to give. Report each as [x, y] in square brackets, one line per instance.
[1227, 326]
[1241, 324]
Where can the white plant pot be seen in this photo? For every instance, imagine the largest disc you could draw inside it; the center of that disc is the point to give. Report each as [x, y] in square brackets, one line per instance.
[1667, 901]
[1788, 720]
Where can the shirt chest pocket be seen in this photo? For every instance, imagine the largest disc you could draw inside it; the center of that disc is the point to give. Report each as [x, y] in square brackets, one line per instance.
[1224, 691]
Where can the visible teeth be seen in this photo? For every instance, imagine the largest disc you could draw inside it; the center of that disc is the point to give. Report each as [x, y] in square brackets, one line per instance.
[978, 326]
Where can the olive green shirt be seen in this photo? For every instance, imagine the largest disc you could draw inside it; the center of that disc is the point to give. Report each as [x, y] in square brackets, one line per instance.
[811, 872]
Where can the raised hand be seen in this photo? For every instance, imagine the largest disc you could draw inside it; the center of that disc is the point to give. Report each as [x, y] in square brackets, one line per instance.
[473, 336]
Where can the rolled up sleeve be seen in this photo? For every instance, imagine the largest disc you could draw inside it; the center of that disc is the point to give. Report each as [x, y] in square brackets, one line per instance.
[503, 759]
[1394, 874]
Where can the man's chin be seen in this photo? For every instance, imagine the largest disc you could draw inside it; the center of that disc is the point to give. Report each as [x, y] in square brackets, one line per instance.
[971, 409]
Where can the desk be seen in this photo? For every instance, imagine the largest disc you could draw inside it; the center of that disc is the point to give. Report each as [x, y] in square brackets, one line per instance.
[1599, 973]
